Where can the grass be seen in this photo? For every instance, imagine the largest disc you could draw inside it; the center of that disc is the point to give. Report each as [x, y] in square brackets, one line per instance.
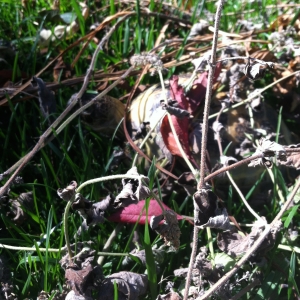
[78, 153]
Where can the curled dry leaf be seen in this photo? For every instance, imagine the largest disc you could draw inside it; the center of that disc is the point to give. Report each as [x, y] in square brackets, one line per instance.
[169, 229]
[46, 98]
[206, 201]
[130, 286]
[256, 70]
[132, 192]
[172, 109]
[93, 213]
[69, 192]
[219, 222]
[84, 255]
[227, 160]
[268, 149]
[292, 158]
[234, 244]
[198, 28]
[218, 129]
[79, 279]
[18, 215]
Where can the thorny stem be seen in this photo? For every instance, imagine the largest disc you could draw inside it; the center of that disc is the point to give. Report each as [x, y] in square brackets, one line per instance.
[46, 135]
[204, 141]
[254, 247]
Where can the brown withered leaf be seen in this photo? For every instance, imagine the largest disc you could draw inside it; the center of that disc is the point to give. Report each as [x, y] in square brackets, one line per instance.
[220, 221]
[232, 243]
[218, 129]
[255, 71]
[235, 244]
[16, 213]
[93, 213]
[79, 279]
[174, 110]
[68, 192]
[132, 192]
[292, 158]
[268, 149]
[169, 229]
[130, 286]
[84, 255]
[206, 201]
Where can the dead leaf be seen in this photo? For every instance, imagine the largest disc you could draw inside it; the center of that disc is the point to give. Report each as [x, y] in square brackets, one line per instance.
[79, 279]
[132, 192]
[69, 192]
[93, 213]
[169, 229]
[130, 286]
[198, 29]
[85, 255]
[220, 221]
[234, 244]
[292, 158]
[206, 201]
[268, 149]
[18, 215]
[172, 109]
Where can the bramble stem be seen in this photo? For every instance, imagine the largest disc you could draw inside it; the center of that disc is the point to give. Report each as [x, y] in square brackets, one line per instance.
[212, 65]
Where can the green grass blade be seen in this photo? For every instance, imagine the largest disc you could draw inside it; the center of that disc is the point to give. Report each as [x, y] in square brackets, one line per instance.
[48, 232]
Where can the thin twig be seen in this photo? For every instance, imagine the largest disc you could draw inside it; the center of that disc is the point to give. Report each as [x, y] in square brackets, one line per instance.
[242, 197]
[210, 79]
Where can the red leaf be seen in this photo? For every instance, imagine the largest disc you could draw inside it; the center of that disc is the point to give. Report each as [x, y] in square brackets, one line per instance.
[131, 213]
[197, 93]
[189, 102]
[181, 125]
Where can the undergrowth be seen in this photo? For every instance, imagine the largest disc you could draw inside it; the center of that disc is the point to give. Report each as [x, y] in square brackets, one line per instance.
[32, 36]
